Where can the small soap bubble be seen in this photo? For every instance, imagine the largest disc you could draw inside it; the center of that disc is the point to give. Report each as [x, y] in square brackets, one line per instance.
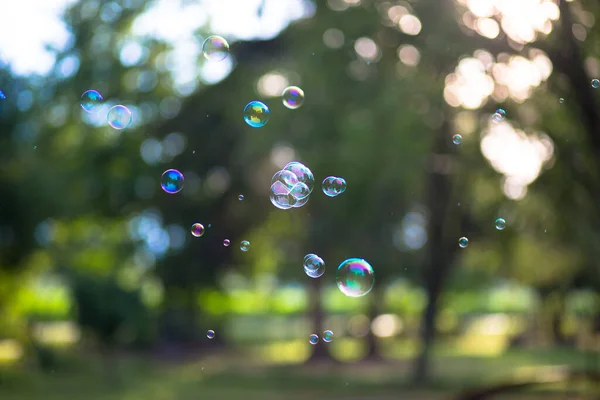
[293, 97]
[499, 115]
[595, 83]
[333, 186]
[256, 114]
[327, 336]
[241, 197]
[463, 242]
[210, 334]
[215, 48]
[314, 266]
[302, 172]
[171, 181]
[197, 229]
[2, 95]
[119, 117]
[561, 100]
[313, 339]
[91, 101]
[226, 242]
[355, 277]
[457, 139]
[245, 245]
[500, 223]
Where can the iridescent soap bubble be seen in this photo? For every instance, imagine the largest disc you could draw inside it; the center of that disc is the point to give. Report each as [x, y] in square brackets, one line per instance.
[463, 242]
[245, 245]
[595, 83]
[327, 336]
[215, 48]
[313, 339]
[333, 186]
[256, 114]
[300, 191]
[302, 172]
[293, 97]
[499, 115]
[197, 229]
[91, 101]
[241, 197]
[457, 139]
[500, 223]
[314, 266]
[119, 117]
[2, 95]
[355, 277]
[210, 334]
[282, 184]
[226, 242]
[171, 181]
[561, 100]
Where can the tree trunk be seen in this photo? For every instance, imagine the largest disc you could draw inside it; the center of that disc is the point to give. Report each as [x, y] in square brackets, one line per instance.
[439, 256]
[320, 353]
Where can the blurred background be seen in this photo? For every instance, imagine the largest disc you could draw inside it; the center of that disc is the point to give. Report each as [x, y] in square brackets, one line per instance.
[105, 294]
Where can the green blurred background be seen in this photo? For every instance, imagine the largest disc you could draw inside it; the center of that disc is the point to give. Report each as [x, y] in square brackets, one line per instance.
[105, 294]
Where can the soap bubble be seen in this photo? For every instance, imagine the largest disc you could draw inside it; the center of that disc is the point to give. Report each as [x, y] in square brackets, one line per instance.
[215, 48]
[499, 115]
[300, 191]
[333, 186]
[226, 242]
[210, 334]
[327, 336]
[293, 97]
[241, 197]
[314, 266]
[171, 181]
[2, 95]
[595, 83]
[500, 223]
[463, 242]
[197, 229]
[245, 245]
[313, 339]
[457, 139]
[91, 101]
[256, 114]
[355, 277]
[561, 100]
[119, 117]
[302, 172]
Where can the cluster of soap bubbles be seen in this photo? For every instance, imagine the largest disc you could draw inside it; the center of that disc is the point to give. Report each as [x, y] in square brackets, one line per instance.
[292, 186]
[327, 337]
[119, 117]
[333, 186]
[499, 115]
[314, 266]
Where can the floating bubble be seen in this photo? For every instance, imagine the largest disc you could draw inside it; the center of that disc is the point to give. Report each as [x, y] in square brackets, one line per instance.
[293, 97]
[561, 100]
[241, 197]
[245, 245]
[91, 101]
[226, 242]
[256, 114]
[2, 95]
[499, 115]
[463, 242]
[215, 48]
[300, 191]
[314, 266]
[500, 223]
[282, 184]
[302, 172]
[210, 334]
[171, 181]
[119, 117]
[333, 186]
[457, 139]
[595, 83]
[197, 229]
[313, 339]
[327, 336]
[355, 277]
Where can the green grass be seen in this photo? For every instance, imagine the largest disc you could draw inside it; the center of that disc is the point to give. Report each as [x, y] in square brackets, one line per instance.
[234, 376]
